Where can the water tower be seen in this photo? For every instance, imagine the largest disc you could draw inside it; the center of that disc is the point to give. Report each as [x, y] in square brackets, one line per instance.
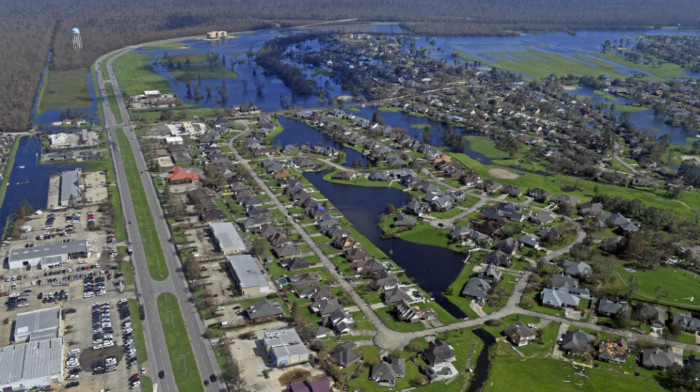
[77, 42]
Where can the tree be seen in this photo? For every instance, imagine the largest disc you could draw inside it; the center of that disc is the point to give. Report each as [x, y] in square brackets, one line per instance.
[377, 118]
[260, 247]
[389, 208]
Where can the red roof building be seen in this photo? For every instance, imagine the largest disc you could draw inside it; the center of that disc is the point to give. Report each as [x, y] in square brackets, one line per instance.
[178, 175]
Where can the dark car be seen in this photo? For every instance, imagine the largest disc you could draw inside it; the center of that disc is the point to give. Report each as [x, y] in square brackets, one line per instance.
[212, 378]
[161, 374]
[206, 382]
[72, 384]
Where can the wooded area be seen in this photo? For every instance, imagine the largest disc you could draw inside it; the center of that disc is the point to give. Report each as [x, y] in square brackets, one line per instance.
[29, 28]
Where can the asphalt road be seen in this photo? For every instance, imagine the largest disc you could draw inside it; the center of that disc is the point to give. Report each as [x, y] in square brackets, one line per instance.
[147, 288]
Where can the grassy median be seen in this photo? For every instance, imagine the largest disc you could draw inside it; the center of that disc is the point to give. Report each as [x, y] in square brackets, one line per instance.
[8, 169]
[155, 259]
[187, 377]
[113, 105]
[136, 325]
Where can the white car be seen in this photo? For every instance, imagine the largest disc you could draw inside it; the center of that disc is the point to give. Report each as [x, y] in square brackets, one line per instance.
[134, 384]
[88, 294]
[108, 343]
[128, 330]
[97, 347]
[127, 325]
[96, 342]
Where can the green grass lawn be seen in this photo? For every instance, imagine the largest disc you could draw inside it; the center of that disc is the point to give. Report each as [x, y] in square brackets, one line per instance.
[128, 273]
[8, 169]
[146, 384]
[198, 68]
[455, 289]
[139, 338]
[113, 105]
[63, 90]
[679, 285]
[423, 233]
[182, 358]
[135, 74]
[666, 70]
[402, 326]
[157, 266]
[542, 374]
[486, 146]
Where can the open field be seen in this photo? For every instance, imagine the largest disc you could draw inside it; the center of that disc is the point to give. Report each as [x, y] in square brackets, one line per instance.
[679, 285]
[63, 90]
[486, 146]
[155, 258]
[135, 74]
[194, 66]
[665, 70]
[187, 377]
[542, 374]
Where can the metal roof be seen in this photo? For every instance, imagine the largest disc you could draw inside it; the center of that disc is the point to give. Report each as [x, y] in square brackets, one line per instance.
[33, 360]
[227, 235]
[70, 185]
[247, 271]
[48, 249]
[38, 324]
[284, 342]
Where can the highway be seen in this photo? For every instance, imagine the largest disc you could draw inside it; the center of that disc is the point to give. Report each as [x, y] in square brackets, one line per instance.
[147, 288]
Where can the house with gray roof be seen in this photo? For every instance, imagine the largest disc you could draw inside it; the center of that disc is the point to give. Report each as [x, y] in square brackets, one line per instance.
[498, 258]
[345, 354]
[541, 217]
[326, 307]
[388, 372]
[519, 334]
[577, 341]
[558, 298]
[264, 311]
[656, 358]
[687, 321]
[404, 221]
[530, 240]
[590, 209]
[568, 200]
[490, 272]
[438, 352]
[609, 308]
[652, 315]
[477, 289]
[561, 280]
[579, 268]
[395, 295]
[508, 245]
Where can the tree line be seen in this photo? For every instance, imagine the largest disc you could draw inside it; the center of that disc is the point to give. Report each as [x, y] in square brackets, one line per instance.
[30, 28]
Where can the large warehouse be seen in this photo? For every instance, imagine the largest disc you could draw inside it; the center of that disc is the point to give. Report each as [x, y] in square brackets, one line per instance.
[70, 187]
[285, 347]
[38, 325]
[34, 364]
[46, 255]
[247, 276]
[227, 238]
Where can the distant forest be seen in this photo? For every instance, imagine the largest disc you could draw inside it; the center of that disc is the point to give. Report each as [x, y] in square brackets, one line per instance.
[29, 28]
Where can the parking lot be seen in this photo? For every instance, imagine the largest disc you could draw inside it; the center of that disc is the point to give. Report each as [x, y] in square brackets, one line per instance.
[99, 348]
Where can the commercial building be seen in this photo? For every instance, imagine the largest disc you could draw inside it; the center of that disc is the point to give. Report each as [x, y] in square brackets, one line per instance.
[29, 365]
[70, 187]
[46, 255]
[284, 347]
[227, 238]
[246, 275]
[38, 325]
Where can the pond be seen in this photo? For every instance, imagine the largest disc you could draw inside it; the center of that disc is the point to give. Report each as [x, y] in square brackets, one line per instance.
[432, 267]
[298, 133]
[29, 179]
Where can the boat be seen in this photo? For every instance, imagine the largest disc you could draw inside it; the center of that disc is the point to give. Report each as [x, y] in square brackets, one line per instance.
[21, 167]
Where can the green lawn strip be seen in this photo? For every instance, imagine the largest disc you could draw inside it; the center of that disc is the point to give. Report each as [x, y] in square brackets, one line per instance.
[425, 234]
[136, 325]
[113, 105]
[538, 64]
[135, 74]
[65, 89]
[507, 284]
[486, 146]
[8, 169]
[96, 92]
[154, 115]
[543, 374]
[665, 70]
[103, 67]
[187, 377]
[362, 180]
[128, 273]
[146, 384]
[155, 259]
[679, 285]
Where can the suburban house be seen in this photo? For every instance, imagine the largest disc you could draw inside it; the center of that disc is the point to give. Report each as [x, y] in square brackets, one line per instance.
[653, 316]
[656, 358]
[490, 272]
[414, 314]
[579, 269]
[395, 295]
[177, 175]
[613, 351]
[477, 289]
[438, 352]
[388, 372]
[541, 218]
[345, 354]
[264, 311]
[326, 307]
[322, 384]
[609, 308]
[508, 245]
[687, 321]
[498, 258]
[590, 209]
[557, 298]
[577, 342]
[519, 334]
[341, 321]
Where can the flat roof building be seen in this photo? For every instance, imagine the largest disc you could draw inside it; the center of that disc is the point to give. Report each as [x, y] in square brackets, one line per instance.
[34, 364]
[285, 347]
[70, 187]
[46, 255]
[247, 276]
[38, 325]
[227, 238]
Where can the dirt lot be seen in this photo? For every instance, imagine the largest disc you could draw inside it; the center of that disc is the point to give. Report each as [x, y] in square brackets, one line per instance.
[502, 174]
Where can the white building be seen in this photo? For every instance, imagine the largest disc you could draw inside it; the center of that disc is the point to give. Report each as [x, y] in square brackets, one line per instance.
[46, 255]
[71, 189]
[247, 276]
[284, 347]
[34, 364]
[39, 324]
[58, 139]
[227, 238]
